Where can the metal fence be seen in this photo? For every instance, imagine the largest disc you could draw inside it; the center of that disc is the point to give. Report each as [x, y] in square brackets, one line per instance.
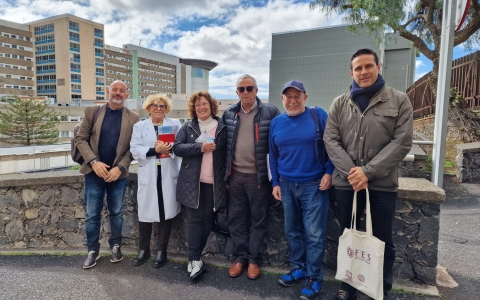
[465, 78]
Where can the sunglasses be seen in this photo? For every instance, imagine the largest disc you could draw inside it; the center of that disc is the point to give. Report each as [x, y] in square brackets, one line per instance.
[242, 89]
[158, 106]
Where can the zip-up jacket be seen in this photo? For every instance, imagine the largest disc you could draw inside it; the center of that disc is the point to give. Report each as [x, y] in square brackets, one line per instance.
[377, 139]
[188, 184]
[266, 112]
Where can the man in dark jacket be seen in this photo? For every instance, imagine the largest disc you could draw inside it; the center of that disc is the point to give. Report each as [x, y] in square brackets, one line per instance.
[248, 126]
[369, 132]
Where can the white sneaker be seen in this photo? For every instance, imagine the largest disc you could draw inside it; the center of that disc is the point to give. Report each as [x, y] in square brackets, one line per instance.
[189, 267]
[197, 269]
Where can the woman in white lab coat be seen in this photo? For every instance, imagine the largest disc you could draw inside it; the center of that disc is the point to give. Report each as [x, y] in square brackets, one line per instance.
[157, 178]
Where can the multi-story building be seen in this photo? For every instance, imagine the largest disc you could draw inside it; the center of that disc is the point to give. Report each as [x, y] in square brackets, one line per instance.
[148, 72]
[69, 58]
[65, 58]
[16, 60]
[320, 58]
[158, 72]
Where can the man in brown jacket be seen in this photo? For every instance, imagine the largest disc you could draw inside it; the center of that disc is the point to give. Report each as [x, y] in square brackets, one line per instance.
[369, 132]
[105, 148]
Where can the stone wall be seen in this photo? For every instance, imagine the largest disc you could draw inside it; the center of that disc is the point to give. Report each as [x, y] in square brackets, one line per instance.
[468, 162]
[426, 127]
[46, 211]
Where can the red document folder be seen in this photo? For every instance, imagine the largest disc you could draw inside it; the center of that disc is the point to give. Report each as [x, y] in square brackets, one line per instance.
[167, 138]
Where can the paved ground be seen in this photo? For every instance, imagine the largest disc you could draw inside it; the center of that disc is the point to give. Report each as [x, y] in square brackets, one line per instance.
[459, 245]
[61, 277]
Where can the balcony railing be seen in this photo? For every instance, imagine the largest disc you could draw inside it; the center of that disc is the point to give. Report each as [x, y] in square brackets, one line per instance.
[76, 60]
[74, 49]
[75, 70]
[99, 54]
[100, 83]
[76, 91]
[74, 28]
[98, 64]
[76, 80]
[43, 31]
[100, 93]
[98, 45]
[74, 39]
[99, 74]
[40, 92]
[46, 81]
[46, 71]
[45, 42]
[42, 62]
[45, 51]
[99, 35]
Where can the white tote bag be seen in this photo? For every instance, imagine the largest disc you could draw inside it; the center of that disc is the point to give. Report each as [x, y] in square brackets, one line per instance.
[360, 256]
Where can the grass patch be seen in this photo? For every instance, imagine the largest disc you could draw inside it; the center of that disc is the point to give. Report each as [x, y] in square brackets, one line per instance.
[75, 167]
[449, 161]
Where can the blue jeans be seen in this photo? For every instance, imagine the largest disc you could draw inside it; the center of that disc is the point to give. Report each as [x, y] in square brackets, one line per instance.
[306, 213]
[95, 188]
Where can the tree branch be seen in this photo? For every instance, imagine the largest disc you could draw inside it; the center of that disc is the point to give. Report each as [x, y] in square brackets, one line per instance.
[472, 27]
[421, 16]
[419, 44]
[430, 10]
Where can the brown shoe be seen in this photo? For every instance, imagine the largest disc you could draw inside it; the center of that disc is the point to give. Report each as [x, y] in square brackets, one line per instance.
[235, 270]
[253, 271]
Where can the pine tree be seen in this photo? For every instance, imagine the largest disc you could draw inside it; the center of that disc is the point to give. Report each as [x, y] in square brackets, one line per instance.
[28, 122]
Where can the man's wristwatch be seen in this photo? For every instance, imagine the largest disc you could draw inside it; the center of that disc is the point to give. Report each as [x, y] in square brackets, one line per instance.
[93, 161]
[121, 168]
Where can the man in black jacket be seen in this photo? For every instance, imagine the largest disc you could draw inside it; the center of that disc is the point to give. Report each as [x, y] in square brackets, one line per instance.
[248, 126]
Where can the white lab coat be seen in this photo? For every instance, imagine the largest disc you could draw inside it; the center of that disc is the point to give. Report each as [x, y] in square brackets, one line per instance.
[143, 138]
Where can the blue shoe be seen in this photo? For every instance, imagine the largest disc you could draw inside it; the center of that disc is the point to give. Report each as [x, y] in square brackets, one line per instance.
[311, 289]
[292, 277]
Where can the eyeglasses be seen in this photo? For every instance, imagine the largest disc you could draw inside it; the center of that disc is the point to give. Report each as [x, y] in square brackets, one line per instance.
[204, 104]
[296, 97]
[249, 88]
[158, 106]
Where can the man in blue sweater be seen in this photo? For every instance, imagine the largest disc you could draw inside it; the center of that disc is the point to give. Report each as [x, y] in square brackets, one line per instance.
[301, 177]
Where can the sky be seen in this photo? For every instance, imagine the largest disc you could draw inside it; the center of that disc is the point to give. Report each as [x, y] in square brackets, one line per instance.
[237, 34]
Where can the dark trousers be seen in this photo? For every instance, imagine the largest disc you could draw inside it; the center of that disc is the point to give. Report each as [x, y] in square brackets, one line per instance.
[247, 215]
[164, 226]
[200, 222]
[382, 208]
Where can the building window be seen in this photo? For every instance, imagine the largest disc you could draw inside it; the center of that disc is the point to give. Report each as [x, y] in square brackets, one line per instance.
[74, 36]
[44, 28]
[199, 73]
[74, 47]
[73, 26]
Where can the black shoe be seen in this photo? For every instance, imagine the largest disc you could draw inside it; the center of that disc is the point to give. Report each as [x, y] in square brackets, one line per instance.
[344, 295]
[116, 254]
[160, 260]
[142, 257]
[91, 259]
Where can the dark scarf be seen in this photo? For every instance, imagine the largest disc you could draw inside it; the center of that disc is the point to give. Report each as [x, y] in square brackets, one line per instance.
[363, 95]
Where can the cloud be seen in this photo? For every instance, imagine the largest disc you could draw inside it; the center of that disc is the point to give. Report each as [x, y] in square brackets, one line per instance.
[235, 33]
[243, 43]
[419, 64]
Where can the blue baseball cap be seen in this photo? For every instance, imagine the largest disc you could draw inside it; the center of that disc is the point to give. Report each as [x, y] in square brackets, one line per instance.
[295, 84]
